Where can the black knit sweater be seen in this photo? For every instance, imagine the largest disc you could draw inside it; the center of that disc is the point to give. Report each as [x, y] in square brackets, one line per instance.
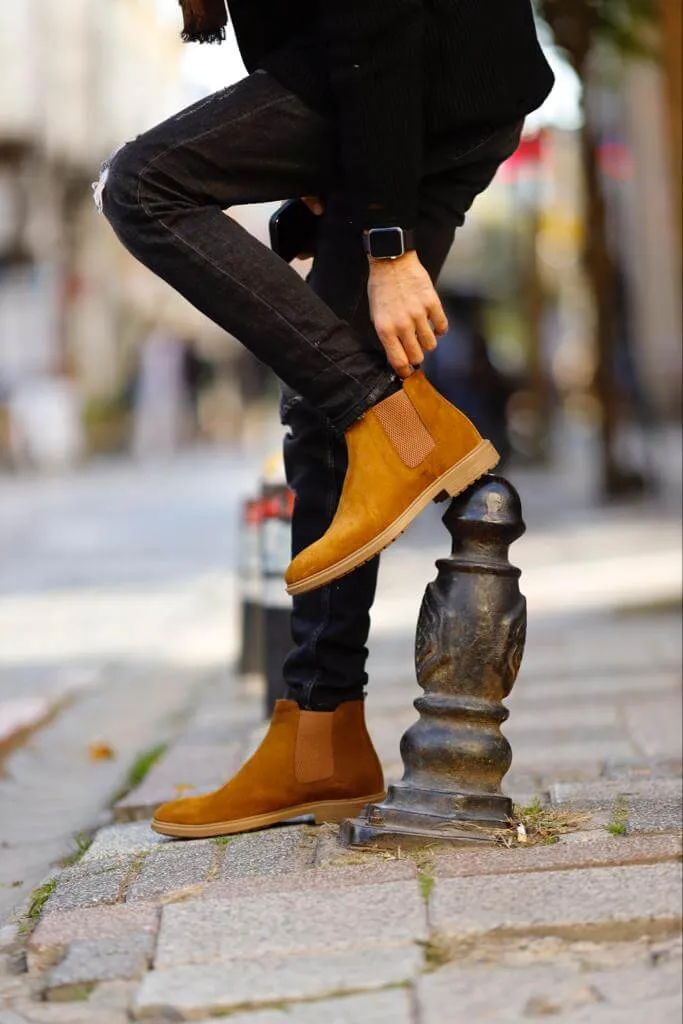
[396, 73]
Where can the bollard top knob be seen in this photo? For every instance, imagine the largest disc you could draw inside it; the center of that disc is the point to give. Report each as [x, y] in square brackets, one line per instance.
[491, 504]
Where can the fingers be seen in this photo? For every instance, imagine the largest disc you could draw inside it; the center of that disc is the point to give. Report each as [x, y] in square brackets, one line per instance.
[425, 334]
[437, 316]
[410, 343]
[314, 204]
[401, 345]
[398, 360]
[393, 346]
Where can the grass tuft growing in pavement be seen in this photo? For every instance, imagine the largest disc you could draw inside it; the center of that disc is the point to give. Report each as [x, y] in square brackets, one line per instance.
[425, 880]
[39, 898]
[77, 993]
[619, 822]
[537, 825]
[139, 769]
[222, 840]
[81, 844]
[437, 952]
[144, 763]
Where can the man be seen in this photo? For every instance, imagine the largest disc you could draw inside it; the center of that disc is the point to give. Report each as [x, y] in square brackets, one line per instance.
[396, 114]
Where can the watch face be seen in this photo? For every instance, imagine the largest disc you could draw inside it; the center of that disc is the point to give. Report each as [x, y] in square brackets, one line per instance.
[386, 242]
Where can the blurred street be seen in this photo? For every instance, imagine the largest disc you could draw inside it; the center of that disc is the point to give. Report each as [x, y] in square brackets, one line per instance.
[117, 600]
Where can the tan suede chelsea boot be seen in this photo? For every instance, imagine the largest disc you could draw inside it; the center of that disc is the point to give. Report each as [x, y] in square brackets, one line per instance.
[319, 763]
[412, 448]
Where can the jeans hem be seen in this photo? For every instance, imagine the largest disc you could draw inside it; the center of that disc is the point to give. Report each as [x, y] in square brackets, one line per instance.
[376, 393]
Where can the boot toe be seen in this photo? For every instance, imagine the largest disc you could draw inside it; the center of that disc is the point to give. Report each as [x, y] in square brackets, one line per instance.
[188, 811]
[301, 567]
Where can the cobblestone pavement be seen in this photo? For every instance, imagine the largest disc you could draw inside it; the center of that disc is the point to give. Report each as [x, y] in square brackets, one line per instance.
[117, 606]
[286, 927]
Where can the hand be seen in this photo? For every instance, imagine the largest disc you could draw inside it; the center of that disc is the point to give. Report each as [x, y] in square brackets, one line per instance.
[403, 301]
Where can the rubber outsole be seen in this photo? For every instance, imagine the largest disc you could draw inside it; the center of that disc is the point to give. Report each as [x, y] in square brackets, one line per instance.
[457, 479]
[323, 811]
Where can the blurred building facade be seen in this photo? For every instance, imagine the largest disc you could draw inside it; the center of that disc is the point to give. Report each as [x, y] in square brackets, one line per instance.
[77, 78]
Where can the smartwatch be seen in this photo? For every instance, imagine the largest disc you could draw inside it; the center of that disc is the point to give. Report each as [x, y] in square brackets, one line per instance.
[388, 243]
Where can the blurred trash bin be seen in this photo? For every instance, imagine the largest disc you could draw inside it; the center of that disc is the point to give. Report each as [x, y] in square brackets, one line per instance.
[276, 542]
[251, 656]
[45, 425]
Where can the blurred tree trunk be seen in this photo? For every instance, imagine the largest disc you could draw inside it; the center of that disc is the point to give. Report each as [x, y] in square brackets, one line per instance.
[671, 13]
[574, 27]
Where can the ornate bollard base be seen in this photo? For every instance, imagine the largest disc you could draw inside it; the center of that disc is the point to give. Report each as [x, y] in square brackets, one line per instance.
[460, 818]
[469, 645]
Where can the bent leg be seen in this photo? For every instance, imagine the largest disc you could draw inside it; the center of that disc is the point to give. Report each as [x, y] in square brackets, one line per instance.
[165, 194]
[330, 625]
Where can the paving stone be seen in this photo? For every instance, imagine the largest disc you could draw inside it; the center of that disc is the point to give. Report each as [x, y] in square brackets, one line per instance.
[273, 852]
[8, 936]
[218, 930]
[127, 840]
[103, 960]
[597, 850]
[20, 715]
[10, 1017]
[639, 768]
[656, 726]
[654, 805]
[608, 898]
[546, 717]
[540, 754]
[591, 688]
[193, 991]
[89, 885]
[320, 880]
[391, 1007]
[56, 931]
[53, 790]
[80, 1012]
[12, 987]
[173, 867]
[358, 867]
[568, 995]
[112, 995]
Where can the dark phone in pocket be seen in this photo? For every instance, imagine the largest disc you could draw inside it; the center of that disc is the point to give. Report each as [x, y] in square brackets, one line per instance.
[293, 230]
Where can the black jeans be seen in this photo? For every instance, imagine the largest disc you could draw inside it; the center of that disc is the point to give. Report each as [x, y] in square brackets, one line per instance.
[164, 195]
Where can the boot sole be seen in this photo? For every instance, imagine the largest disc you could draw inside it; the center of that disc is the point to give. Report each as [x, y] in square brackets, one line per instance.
[457, 479]
[325, 811]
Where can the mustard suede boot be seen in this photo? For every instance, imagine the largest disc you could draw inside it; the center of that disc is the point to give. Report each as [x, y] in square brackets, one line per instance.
[410, 449]
[320, 763]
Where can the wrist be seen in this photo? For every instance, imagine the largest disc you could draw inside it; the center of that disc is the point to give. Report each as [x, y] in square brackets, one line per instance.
[379, 265]
[388, 243]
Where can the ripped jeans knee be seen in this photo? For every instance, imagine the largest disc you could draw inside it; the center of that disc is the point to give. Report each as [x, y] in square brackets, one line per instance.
[99, 185]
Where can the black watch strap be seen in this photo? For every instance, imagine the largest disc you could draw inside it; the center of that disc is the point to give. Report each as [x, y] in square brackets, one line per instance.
[388, 243]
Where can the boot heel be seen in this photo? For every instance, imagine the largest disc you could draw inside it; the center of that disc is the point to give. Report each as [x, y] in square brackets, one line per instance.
[479, 461]
[334, 812]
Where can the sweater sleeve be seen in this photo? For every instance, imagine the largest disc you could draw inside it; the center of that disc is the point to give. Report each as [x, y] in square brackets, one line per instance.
[374, 50]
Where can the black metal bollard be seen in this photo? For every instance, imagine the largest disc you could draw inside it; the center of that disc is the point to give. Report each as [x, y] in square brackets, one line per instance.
[470, 641]
[276, 530]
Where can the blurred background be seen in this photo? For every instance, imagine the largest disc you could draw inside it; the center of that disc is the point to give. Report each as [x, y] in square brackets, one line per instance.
[132, 430]
[564, 288]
